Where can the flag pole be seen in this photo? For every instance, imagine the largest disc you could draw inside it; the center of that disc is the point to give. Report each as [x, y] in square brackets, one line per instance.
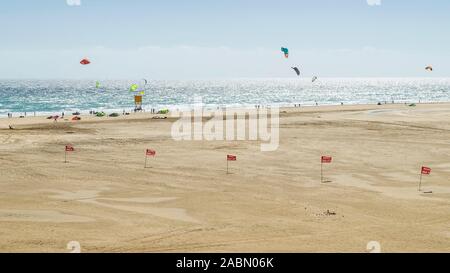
[228, 172]
[321, 172]
[420, 183]
[65, 155]
[145, 166]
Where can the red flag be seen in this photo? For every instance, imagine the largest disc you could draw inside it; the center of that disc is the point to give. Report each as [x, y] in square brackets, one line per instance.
[150, 152]
[426, 170]
[231, 158]
[327, 159]
[70, 148]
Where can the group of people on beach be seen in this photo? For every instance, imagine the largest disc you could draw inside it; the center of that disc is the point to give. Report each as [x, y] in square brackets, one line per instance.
[10, 115]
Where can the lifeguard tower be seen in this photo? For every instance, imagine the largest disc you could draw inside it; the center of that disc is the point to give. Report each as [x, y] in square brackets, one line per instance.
[138, 103]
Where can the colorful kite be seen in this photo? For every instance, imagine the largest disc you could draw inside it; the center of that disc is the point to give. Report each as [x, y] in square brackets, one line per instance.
[285, 51]
[85, 61]
[134, 88]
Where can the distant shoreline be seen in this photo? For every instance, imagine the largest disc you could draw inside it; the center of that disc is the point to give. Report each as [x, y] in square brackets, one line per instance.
[86, 117]
[210, 107]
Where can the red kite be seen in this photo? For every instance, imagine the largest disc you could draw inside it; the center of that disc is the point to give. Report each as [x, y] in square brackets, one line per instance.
[85, 62]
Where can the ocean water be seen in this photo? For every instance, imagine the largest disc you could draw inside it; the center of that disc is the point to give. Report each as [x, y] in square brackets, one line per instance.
[55, 96]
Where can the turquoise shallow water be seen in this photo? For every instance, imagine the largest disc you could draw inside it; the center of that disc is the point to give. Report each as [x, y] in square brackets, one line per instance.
[55, 96]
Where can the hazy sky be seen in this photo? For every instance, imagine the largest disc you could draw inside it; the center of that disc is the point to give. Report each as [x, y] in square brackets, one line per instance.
[196, 39]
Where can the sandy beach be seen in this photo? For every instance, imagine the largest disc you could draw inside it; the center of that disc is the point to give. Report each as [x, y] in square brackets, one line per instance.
[107, 201]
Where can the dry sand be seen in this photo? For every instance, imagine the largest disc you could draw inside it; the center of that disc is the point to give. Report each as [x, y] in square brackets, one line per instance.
[273, 201]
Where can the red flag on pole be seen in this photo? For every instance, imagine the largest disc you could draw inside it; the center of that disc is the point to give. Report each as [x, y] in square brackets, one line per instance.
[324, 160]
[230, 158]
[150, 152]
[327, 159]
[70, 148]
[426, 171]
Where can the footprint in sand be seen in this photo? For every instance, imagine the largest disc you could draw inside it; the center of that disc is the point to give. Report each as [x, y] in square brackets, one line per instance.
[92, 197]
[53, 216]
[74, 196]
[168, 213]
